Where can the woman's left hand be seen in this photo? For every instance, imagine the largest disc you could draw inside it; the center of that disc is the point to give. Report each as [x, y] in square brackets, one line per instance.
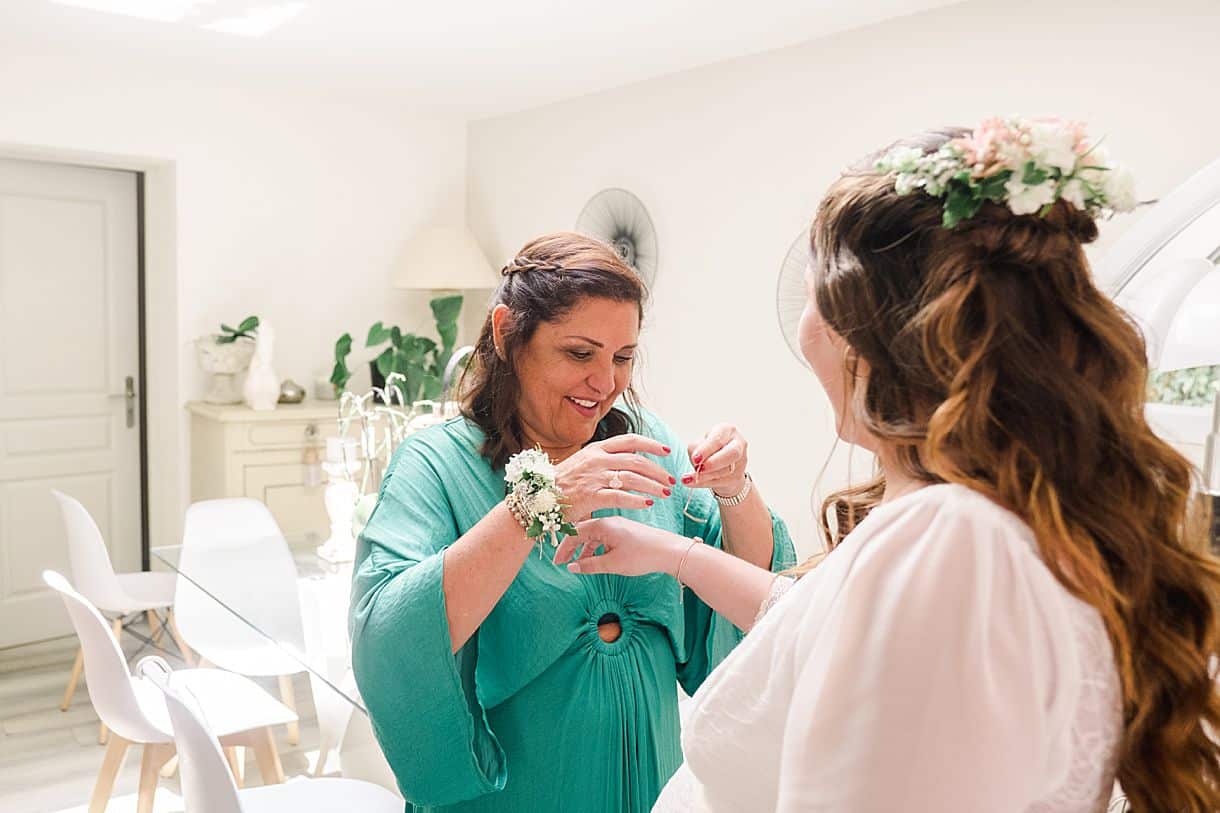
[630, 548]
[720, 461]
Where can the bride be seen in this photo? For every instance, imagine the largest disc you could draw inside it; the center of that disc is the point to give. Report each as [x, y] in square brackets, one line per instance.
[1019, 609]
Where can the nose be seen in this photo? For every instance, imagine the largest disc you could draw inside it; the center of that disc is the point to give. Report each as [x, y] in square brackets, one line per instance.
[602, 380]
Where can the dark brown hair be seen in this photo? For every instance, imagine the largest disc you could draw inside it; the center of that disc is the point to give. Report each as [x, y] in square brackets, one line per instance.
[548, 277]
[995, 362]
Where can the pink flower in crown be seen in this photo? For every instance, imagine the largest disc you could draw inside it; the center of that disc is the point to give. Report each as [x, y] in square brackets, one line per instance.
[984, 149]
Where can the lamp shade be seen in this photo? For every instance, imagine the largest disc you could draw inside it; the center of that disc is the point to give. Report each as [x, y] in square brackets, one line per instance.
[443, 258]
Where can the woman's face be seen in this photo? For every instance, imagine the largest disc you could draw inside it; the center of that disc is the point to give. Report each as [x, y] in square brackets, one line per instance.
[573, 370]
[825, 351]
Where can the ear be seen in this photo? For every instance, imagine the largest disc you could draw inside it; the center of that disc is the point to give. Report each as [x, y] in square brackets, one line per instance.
[501, 320]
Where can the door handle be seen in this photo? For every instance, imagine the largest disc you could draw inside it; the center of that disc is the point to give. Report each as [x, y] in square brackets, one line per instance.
[129, 397]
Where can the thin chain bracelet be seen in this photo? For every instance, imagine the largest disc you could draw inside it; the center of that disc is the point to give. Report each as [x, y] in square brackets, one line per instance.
[678, 573]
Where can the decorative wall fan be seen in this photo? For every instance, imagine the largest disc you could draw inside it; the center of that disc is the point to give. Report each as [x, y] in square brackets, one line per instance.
[618, 218]
[790, 293]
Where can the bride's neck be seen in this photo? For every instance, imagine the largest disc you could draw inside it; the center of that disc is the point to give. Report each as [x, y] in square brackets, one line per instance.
[897, 481]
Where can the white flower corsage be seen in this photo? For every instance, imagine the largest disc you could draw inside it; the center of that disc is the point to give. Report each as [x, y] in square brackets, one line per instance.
[534, 499]
[1025, 164]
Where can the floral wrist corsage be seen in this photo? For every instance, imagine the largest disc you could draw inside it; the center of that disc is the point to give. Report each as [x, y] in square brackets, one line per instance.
[534, 499]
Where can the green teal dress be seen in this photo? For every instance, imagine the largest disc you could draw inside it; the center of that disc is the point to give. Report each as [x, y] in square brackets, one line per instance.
[536, 712]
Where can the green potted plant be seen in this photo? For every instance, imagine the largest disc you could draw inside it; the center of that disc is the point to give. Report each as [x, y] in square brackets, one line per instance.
[419, 359]
[224, 355]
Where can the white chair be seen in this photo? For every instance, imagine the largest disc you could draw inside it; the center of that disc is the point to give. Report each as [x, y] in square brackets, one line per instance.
[236, 549]
[208, 788]
[241, 713]
[120, 594]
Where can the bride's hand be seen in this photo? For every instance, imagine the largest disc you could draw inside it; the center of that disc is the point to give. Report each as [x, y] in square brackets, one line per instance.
[719, 460]
[586, 477]
[630, 548]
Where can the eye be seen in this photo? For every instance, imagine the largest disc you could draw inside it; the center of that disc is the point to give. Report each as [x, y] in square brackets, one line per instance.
[624, 359]
[580, 355]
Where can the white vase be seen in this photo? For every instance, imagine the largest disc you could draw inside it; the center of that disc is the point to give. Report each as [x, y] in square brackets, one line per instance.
[262, 389]
[224, 362]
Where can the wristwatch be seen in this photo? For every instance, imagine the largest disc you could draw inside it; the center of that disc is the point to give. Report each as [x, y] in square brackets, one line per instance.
[739, 497]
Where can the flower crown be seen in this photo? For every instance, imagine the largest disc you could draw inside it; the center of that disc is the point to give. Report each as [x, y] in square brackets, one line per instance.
[1025, 164]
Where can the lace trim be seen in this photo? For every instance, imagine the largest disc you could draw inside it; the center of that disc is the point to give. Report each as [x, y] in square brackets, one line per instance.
[779, 586]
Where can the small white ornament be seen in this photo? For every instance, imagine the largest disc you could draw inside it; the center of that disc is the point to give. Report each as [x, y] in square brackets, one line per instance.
[262, 388]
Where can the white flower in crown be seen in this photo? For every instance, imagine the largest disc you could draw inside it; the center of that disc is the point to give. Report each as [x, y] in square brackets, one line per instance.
[1027, 199]
[1074, 193]
[1052, 144]
[1119, 186]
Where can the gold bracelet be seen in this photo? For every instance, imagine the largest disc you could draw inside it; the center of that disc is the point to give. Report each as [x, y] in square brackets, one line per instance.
[678, 573]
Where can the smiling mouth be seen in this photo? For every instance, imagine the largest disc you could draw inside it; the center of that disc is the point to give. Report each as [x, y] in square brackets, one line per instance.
[584, 405]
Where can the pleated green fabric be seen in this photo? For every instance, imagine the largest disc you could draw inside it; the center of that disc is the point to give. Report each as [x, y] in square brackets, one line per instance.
[536, 712]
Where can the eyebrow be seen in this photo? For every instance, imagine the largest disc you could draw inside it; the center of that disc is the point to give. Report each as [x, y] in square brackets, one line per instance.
[596, 343]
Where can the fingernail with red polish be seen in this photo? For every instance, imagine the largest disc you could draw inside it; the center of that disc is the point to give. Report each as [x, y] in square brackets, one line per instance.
[672, 480]
[688, 478]
[666, 492]
[697, 458]
[667, 449]
[649, 502]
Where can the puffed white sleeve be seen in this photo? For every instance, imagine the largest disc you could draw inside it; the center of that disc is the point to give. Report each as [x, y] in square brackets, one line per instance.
[943, 679]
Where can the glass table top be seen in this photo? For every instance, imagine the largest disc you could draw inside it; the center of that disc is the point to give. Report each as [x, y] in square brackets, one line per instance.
[267, 605]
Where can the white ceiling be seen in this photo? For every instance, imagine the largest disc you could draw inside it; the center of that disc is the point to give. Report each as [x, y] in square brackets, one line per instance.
[476, 57]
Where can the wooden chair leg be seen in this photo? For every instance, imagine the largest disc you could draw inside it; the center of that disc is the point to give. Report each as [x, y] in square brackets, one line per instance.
[105, 777]
[170, 768]
[235, 755]
[155, 755]
[77, 665]
[323, 751]
[187, 656]
[268, 756]
[288, 695]
[155, 630]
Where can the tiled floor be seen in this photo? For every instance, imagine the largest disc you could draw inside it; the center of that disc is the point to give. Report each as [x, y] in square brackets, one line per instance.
[49, 759]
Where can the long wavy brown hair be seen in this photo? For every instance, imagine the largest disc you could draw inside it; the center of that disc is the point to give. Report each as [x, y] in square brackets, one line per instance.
[549, 276]
[994, 361]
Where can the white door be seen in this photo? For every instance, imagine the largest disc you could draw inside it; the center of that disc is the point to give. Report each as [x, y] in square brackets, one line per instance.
[68, 346]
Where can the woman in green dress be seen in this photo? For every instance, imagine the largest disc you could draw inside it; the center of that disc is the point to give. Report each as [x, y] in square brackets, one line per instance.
[496, 680]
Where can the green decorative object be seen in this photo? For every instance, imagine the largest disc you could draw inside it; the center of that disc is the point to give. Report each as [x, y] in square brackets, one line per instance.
[1193, 386]
[419, 359]
[246, 330]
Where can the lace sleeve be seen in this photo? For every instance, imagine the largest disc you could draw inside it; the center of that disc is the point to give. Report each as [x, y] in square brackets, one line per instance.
[779, 586]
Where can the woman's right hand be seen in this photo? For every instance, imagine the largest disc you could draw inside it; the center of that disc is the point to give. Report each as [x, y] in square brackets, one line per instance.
[585, 477]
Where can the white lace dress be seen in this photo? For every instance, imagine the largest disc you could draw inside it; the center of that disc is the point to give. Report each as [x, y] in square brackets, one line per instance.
[932, 663]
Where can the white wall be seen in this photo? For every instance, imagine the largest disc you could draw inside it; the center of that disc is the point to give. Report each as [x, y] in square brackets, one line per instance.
[731, 161]
[287, 206]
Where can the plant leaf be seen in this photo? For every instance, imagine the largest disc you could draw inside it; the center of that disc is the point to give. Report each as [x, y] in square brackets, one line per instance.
[1032, 176]
[385, 361]
[377, 335]
[249, 323]
[226, 328]
[343, 347]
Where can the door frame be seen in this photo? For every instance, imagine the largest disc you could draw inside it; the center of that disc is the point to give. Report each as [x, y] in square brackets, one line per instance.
[162, 452]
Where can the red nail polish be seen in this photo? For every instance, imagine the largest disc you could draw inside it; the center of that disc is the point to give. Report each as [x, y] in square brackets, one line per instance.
[667, 449]
[649, 502]
[672, 481]
[688, 479]
[697, 458]
[666, 492]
